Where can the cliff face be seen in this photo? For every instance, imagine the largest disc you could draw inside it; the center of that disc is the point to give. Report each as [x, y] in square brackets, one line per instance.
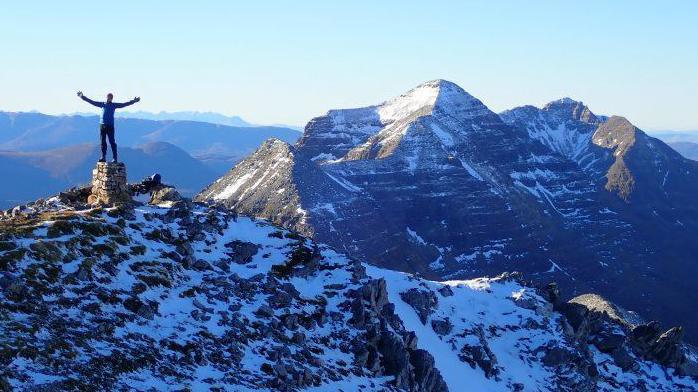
[191, 296]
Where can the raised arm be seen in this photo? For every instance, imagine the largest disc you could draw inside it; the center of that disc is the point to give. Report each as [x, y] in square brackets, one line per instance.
[91, 102]
[129, 103]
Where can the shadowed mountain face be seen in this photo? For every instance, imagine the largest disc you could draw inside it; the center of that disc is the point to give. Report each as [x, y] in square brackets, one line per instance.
[436, 183]
[31, 175]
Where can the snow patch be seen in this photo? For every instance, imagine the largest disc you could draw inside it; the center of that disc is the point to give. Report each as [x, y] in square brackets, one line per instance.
[232, 188]
[416, 237]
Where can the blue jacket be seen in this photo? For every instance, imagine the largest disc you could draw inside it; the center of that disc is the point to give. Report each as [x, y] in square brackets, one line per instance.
[108, 109]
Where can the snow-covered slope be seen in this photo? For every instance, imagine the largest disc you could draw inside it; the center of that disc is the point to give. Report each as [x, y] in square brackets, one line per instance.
[565, 126]
[332, 136]
[615, 153]
[434, 182]
[435, 147]
[285, 180]
[193, 297]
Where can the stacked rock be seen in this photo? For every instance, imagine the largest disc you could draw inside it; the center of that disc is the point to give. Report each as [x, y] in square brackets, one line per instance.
[109, 184]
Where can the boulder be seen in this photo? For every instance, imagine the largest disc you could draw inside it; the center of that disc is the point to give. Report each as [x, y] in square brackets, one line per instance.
[76, 196]
[146, 310]
[422, 301]
[19, 210]
[442, 327]
[609, 340]
[480, 355]
[662, 347]
[425, 373]
[624, 360]
[264, 311]
[164, 194]
[446, 291]
[557, 356]
[6, 280]
[202, 265]
[242, 252]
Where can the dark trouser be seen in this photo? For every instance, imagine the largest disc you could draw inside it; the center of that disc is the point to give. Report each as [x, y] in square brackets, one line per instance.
[104, 131]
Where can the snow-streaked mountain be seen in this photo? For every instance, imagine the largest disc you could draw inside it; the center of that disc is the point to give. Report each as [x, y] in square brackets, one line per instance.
[434, 182]
[382, 126]
[565, 126]
[192, 297]
[653, 179]
[632, 164]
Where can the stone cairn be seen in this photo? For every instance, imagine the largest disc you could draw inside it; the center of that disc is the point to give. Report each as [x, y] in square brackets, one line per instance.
[109, 184]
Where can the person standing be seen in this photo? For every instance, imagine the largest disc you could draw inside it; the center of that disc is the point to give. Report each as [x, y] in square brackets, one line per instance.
[106, 125]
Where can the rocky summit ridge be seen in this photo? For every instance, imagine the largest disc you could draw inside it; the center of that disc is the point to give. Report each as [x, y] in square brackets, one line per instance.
[190, 296]
[433, 182]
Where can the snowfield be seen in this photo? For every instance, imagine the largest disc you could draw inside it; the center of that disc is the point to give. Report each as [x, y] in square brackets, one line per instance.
[194, 297]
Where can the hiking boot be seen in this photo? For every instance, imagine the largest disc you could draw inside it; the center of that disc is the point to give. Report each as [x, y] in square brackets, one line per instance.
[114, 160]
[102, 160]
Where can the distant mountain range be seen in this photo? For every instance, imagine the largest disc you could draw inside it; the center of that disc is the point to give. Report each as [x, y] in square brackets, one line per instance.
[23, 182]
[676, 136]
[434, 182]
[685, 142]
[34, 174]
[209, 117]
[36, 132]
[687, 149]
[219, 146]
[45, 154]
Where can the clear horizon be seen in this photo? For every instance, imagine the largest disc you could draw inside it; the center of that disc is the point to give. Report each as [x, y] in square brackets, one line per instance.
[283, 63]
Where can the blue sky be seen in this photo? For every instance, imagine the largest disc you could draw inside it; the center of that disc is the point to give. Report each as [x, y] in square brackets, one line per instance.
[288, 61]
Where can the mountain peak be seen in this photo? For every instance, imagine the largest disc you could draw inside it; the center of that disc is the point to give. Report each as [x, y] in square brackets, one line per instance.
[617, 131]
[440, 94]
[275, 146]
[439, 83]
[564, 101]
[441, 89]
[572, 109]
